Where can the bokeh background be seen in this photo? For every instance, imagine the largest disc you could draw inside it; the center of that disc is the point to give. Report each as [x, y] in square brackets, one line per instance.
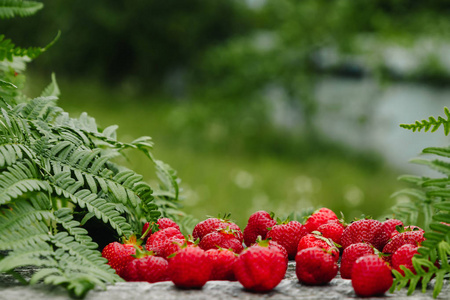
[276, 105]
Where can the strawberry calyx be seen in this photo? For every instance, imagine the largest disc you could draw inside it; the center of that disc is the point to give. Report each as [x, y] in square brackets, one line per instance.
[362, 217]
[283, 222]
[272, 215]
[140, 253]
[329, 242]
[342, 220]
[190, 240]
[225, 249]
[260, 242]
[132, 240]
[227, 230]
[225, 218]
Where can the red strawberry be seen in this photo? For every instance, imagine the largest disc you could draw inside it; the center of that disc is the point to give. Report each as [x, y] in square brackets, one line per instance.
[406, 228]
[148, 268]
[287, 235]
[414, 238]
[162, 223]
[260, 268]
[222, 238]
[171, 246]
[371, 276]
[118, 255]
[314, 266]
[212, 224]
[158, 240]
[365, 230]
[319, 217]
[332, 230]
[314, 240]
[190, 267]
[283, 250]
[387, 228]
[222, 264]
[403, 257]
[258, 225]
[350, 255]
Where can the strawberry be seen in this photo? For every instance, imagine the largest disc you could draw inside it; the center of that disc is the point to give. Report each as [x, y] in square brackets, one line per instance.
[258, 225]
[222, 238]
[260, 268]
[406, 228]
[365, 230]
[158, 240]
[172, 246]
[212, 224]
[162, 223]
[273, 244]
[387, 228]
[319, 217]
[314, 266]
[371, 276]
[414, 238]
[190, 267]
[118, 255]
[314, 240]
[148, 268]
[403, 257]
[350, 255]
[222, 264]
[332, 230]
[287, 235]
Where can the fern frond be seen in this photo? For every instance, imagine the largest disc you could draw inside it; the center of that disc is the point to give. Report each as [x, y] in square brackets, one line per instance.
[20, 178]
[39, 255]
[440, 151]
[102, 209]
[438, 165]
[52, 89]
[21, 8]
[38, 108]
[431, 123]
[52, 165]
[14, 129]
[6, 84]
[22, 213]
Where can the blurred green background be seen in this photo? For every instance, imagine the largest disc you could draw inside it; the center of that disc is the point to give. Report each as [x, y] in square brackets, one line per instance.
[276, 105]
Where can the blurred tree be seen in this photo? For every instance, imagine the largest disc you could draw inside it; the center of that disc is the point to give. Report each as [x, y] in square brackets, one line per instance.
[294, 42]
[141, 40]
[233, 47]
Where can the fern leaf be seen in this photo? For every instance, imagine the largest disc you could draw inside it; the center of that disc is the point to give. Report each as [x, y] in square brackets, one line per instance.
[39, 255]
[431, 123]
[37, 108]
[102, 209]
[19, 179]
[441, 151]
[12, 8]
[6, 84]
[52, 90]
[436, 164]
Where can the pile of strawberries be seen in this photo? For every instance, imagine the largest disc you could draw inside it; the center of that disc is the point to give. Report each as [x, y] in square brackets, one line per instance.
[258, 256]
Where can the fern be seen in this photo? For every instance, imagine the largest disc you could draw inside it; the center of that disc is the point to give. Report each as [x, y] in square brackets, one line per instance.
[431, 206]
[57, 173]
[12, 8]
[8, 49]
[431, 123]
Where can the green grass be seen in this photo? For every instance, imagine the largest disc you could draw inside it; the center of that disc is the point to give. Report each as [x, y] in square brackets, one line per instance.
[226, 167]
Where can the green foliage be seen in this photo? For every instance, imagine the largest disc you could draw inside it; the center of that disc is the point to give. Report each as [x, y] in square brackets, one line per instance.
[430, 205]
[21, 8]
[57, 173]
[431, 123]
